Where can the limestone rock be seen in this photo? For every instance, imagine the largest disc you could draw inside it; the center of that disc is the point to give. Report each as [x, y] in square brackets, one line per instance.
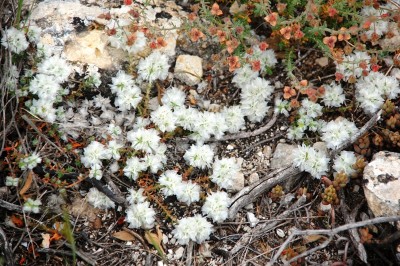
[91, 48]
[238, 183]
[253, 178]
[283, 156]
[382, 183]
[189, 69]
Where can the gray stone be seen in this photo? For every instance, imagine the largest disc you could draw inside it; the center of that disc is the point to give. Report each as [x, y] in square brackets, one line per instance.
[382, 183]
[253, 178]
[238, 183]
[189, 69]
[283, 156]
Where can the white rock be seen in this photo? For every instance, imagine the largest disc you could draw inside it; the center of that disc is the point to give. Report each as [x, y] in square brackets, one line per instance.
[165, 239]
[267, 151]
[382, 183]
[238, 183]
[160, 263]
[252, 219]
[179, 253]
[253, 178]
[91, 48]
[283, 156]
[229, 147]
[280, 233]
[189, 69]
[321, 146]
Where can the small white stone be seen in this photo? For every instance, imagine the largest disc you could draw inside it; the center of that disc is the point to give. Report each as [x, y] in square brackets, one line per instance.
[160, 263]
[252, 219]
[280, 233]
[249, 206]
[179, 252]
[229, 147]
[189, 69]
[253, 178]
[325, 207]
[282, 128]
[165, 239]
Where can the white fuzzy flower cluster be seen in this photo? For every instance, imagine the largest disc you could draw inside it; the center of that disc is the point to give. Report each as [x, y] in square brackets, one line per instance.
[267, 57]
[308, 112]
[133, 43]
[127, 92]
[216, 206]
[243, 75]
[372, 89]
[350, 66]
[14, 40]
[333, 96]
[148, 141]
[164, 118]
[225, 171]
[344, 163]
[95, 152]
[12, 181]
[140, 215]
[336, 132]
[153, 67]
[172, 184]
[32, 205]
[30, 161]
[92, 76]
[99, 199]
[200, 156]
[52, 71]
[379, 26]
[310, 160]
[174, 98]
[282, 107]
[254, 99]
[195, 228]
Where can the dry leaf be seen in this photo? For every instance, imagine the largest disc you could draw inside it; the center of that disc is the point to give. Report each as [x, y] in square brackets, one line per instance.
[155, 240]
[124, 236]
[27, 184]
[313, 238]
[46, 240]
[18, 222]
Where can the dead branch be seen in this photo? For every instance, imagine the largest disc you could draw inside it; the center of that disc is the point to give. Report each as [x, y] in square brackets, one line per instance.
[83, 256]
[262, 229]
[6, 248]
[329, 232]
[10, 206]
[41, 134]
[358, 134]
[250, 193]
[354, 235]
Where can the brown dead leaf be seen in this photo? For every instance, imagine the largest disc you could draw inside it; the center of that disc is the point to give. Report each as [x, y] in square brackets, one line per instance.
[124, 236]
[28, 183]
[313, 238]
[236, 8]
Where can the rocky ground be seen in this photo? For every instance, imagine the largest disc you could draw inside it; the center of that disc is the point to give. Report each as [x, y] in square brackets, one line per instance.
[267, 223]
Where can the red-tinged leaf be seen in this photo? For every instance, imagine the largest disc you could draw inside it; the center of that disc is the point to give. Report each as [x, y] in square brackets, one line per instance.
[18, 222]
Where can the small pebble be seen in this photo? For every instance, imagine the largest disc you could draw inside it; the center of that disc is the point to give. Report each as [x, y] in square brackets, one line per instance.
[179, 252]
[252, 219]
[282, 128]
[229, 147]
[280, 233]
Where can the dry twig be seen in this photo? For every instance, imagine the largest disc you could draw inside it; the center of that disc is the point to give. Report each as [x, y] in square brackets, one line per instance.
[6, 248]
[329, 232]
[262, 229]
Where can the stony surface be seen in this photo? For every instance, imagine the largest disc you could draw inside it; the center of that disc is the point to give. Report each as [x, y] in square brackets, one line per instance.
[91, 48]
[283, 156]
[189, 69]
[382, 184]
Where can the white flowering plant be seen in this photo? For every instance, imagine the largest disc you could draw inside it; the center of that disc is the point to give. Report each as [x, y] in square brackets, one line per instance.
[158, 153]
